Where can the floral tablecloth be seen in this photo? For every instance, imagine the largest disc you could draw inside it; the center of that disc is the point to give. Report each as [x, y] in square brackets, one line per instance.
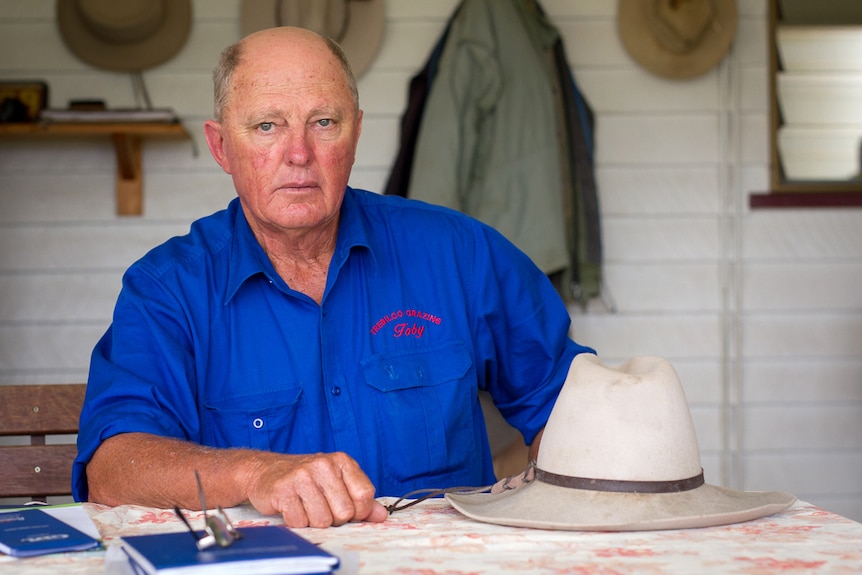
[434, 539]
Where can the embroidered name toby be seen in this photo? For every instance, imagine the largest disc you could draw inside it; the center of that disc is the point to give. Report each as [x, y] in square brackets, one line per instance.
[402, 328]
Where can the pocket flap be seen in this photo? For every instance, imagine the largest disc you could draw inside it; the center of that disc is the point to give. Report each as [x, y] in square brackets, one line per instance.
[258, 402]
[417, 369]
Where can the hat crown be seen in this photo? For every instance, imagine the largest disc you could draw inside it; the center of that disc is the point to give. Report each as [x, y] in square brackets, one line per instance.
[626, 424]
[123, 22]
[679, 25]
[326, 17]
[677, 38]
[357, 25]
[124, 35]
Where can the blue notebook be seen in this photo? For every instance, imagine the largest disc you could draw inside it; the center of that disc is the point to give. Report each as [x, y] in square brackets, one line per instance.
[29, 532]
[267, 549]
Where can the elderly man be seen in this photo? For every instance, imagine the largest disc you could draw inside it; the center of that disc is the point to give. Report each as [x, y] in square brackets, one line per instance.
[313, 345]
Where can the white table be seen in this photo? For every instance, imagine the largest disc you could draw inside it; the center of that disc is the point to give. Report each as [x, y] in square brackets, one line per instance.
[434, 539]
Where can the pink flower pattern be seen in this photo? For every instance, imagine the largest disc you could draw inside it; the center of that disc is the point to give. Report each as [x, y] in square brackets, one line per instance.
[434, 539]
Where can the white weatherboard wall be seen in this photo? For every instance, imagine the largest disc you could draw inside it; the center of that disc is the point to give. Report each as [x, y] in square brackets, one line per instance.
[760, 311]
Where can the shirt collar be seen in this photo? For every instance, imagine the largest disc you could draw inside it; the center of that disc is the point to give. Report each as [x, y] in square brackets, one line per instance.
[354, 230]
[248, 259]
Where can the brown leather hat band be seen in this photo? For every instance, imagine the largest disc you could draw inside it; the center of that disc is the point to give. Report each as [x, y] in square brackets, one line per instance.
[618, 486]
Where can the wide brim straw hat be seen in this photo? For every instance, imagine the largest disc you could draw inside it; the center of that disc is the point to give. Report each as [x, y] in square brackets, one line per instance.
[619, 453]
[124, 35]
[356, 25]
[677, 39]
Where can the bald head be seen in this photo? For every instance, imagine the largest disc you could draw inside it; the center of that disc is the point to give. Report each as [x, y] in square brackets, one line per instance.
[277, 44]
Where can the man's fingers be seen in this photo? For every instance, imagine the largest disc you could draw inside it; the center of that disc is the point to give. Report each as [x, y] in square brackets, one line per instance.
[321, 490]
[378, 513]
[351, 493]
[293, 512]
[315, 500]
[361, 493]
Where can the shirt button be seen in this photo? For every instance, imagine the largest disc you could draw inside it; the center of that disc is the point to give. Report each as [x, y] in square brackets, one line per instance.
[336, 391]
[257, 423]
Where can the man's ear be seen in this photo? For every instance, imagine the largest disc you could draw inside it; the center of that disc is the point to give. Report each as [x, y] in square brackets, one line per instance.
[215, 142]
[359, 115]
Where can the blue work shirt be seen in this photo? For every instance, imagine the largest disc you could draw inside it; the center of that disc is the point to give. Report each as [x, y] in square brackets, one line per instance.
[423, 307]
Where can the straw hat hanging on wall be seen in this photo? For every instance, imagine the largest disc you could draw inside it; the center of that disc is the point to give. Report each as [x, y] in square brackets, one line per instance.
[677, 38]
[124, 35]
[357, 25]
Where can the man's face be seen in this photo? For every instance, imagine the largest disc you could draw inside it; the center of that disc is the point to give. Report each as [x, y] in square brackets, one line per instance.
[289, 134]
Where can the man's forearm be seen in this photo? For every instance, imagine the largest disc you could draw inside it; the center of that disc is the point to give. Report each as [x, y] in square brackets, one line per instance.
[144, 469]
[534, 447]
[309, 490]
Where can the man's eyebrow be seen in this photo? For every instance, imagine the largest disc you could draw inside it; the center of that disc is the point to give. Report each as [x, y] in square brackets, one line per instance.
[329, 111]
[270, 113]
[267, 115]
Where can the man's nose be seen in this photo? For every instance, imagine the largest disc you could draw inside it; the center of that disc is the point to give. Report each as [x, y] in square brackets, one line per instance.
[297, 147]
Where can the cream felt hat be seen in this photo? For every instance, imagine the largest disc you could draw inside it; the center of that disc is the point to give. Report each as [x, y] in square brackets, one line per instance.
[677, 38]
[619, 453]
[124, 35]
[357, 25]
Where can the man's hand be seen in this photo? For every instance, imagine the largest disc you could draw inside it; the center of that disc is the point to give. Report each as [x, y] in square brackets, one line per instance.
[318, 490]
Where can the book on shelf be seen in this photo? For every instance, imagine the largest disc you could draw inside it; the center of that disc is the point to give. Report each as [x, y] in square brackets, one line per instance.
[154, 115]
[267, 549]
[34, 531]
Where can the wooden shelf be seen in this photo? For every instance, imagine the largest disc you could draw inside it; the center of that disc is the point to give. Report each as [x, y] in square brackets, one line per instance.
[810, 199]
[784, 192]
[126, 137]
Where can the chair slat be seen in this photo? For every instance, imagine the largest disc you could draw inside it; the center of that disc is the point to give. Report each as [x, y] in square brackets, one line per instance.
[36, 471]
[35, 412]
[40, 409]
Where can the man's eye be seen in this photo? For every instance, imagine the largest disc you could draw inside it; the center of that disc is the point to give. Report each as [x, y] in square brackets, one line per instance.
[325, 122]
[266, 126]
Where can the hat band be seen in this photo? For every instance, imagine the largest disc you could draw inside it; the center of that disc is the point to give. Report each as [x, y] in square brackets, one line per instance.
[619, 486]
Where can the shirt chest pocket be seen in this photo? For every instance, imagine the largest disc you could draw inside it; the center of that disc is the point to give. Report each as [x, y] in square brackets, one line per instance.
[260, 421]
[427, 399]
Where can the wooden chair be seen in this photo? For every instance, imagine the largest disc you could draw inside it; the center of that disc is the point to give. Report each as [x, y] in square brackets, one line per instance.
[508, 451]
[39, 469]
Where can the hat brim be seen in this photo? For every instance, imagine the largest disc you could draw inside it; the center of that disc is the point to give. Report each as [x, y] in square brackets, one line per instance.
[633, 25]
[160, 47]
[361, 40]
[544, 506]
